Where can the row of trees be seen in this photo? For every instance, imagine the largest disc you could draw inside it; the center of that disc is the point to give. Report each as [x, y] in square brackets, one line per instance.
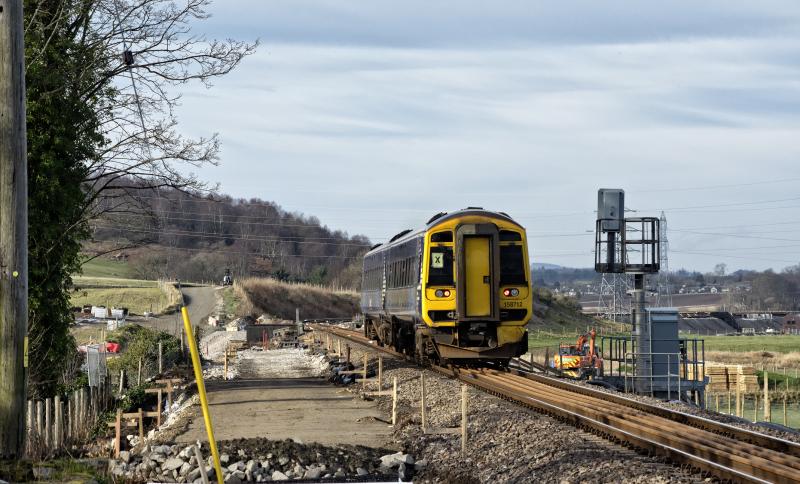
[195, 237]
[100, 111]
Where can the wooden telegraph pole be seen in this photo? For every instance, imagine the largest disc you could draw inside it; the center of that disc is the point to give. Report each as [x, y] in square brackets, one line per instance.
[13, 231]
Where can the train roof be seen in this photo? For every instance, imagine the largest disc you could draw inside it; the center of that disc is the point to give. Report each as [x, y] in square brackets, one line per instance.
[440, 218]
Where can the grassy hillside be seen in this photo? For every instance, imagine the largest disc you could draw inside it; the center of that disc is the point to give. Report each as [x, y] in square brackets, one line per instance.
[279, 299]
[105, 267]
[138, 296]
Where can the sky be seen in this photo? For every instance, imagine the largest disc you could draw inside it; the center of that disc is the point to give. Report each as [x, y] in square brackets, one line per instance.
[375, 115]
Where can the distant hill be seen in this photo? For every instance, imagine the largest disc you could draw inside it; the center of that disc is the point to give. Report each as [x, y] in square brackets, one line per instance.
[197, 237]
[544, 265]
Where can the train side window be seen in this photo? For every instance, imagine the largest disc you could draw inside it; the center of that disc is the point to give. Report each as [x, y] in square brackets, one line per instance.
[440, 266]
[442, 236]
[512, 265]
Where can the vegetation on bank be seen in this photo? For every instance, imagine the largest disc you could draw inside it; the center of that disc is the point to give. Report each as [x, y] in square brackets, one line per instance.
[280, 299]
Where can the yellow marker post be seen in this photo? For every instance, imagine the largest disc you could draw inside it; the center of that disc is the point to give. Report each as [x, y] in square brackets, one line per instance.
[201, 389]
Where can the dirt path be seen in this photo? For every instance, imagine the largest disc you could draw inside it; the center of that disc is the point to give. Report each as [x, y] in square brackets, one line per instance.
[201, 301]
[307, 409]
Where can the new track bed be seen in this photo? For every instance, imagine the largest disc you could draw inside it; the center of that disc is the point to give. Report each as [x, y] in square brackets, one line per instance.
[726, 451]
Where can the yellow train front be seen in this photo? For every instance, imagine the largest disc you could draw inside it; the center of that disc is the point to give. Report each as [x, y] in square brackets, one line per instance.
[456, 291]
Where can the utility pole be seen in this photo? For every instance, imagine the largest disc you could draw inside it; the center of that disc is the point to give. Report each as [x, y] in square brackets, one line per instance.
[13, 231]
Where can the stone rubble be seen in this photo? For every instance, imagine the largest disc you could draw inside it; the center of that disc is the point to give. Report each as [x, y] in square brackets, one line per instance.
[261, 460]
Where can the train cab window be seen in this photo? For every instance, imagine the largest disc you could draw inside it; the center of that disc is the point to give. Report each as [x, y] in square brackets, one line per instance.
[440, 266]
[512, 265]
[442, 237]
[509, 236]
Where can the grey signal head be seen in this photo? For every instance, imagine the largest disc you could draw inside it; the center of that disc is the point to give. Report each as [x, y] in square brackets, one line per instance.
[611, 208]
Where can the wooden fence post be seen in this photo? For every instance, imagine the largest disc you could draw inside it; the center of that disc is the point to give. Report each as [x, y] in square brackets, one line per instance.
[118, 433]
[30, 417]
[158, 410]
[546, 357]
[160, 365]
[48, 423]
[139, 377]
[380, 373]
[738, 402]
[422, 399]
[121, 381]
[755, 408]
[463, 419]
[84, 409]
[394, 402]
[767, 404]
[141, 424]
[39, 419]
[784, 411]
[58, 429]
[364, 380]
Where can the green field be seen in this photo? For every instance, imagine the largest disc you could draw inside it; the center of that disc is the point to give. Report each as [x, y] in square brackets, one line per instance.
[104, 267]
[82, 282]
[776, 343]
[136, 299]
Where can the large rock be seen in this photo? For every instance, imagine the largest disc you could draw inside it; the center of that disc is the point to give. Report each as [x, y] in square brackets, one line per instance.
[193, 475]
[125, 456]
[279, 476]
[361, 471]
[283, 460]
[172, 464]
[185, 468]
[313, 473]
[394, 460]
[233, 479]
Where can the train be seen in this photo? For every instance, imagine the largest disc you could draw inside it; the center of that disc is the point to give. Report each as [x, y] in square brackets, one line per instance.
[457, 291]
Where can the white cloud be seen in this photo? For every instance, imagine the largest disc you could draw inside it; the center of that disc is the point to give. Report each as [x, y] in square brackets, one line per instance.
[373, 118]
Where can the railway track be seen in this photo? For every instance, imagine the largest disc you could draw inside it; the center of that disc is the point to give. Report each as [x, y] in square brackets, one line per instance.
[727, 452]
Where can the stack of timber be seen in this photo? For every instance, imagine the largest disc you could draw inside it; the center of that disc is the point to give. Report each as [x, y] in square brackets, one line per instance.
[747, 379]
[732, 378]
[719, 379]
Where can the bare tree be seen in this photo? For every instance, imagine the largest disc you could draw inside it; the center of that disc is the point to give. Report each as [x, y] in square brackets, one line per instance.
[143, 51]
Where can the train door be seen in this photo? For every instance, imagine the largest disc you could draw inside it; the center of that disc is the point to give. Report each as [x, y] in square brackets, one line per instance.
[477, 269]
[478, 275]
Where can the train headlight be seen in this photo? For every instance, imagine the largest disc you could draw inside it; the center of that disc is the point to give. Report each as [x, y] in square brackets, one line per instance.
[514, 292]
[442, 293]
[511, 292]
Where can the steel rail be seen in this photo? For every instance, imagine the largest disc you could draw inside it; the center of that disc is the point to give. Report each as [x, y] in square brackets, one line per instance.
[723, 450]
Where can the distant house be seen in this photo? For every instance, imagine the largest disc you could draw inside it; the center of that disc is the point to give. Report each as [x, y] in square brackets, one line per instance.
[713, 290]
[791, 324]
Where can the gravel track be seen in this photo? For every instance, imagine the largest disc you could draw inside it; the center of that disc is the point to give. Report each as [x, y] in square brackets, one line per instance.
[508, 442]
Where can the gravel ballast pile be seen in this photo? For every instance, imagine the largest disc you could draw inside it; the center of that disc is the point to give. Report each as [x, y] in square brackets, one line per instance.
[507, 442]
[261, 460]
[283, 363]
[212, 345]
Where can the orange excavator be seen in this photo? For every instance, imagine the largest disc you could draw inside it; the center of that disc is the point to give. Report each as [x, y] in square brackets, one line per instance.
[580, 360]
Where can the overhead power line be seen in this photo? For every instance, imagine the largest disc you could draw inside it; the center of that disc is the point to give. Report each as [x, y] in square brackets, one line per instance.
[255, 238]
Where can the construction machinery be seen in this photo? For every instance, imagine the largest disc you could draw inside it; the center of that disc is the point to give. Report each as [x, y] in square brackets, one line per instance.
[580, 360]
